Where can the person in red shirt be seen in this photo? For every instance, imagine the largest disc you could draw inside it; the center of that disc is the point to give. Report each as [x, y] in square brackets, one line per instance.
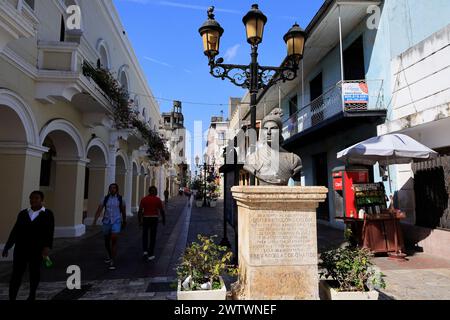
[150, 208]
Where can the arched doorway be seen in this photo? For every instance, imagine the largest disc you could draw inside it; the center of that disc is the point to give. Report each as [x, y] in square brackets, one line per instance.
[95, 179]
[20, 158]
[62, 177]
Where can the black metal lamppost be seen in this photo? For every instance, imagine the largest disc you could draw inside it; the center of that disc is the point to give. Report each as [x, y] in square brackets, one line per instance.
[253, 76]
[206, 169]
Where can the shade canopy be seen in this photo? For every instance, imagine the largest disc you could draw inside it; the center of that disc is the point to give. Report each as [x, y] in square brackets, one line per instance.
[386, 150]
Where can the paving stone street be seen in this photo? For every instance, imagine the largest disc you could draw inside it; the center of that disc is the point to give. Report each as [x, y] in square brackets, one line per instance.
[134, 277]
[421, 277]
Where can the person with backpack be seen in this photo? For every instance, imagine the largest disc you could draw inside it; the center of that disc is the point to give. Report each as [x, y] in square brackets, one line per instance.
[150, 208]
[114, 221]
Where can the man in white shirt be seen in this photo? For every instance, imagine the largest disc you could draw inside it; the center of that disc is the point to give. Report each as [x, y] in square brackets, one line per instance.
[32, 238]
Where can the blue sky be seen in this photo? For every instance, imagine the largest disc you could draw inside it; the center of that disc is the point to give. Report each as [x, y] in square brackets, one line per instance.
[166, 40]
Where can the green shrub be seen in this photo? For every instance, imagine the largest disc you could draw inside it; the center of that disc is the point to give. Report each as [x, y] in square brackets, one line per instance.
[204, 262]
[352, 269]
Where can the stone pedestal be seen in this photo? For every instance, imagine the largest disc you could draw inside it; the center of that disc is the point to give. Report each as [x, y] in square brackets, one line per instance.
[277, 242]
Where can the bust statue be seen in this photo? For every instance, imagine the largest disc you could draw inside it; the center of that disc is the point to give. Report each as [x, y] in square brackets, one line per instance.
[270, 163]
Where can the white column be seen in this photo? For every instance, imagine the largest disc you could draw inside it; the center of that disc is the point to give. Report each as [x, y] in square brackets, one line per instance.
[111, 172]
[161, 176]
[129, 186]
[341, 49]
[20, 171]
[68, 198]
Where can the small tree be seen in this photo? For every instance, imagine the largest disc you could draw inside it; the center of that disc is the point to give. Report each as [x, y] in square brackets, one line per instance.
[204, 262]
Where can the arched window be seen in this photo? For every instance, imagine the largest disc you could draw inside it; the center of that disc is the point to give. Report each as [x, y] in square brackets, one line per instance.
[104, 62]
[103, 53]
[123, 79]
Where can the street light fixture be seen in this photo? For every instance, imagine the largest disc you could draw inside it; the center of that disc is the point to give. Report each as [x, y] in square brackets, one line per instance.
[254, 22]
[211, 31]
[295, 42]
[253, 76]
[206, 169]
[197, 160]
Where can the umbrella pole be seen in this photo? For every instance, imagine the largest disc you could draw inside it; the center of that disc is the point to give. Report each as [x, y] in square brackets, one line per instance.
[390, 179]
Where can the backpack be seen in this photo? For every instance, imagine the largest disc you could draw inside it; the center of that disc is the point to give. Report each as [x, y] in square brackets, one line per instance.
[105, 201]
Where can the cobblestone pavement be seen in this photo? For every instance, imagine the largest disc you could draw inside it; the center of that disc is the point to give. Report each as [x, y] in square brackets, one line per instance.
[421, 277]
[134, 277]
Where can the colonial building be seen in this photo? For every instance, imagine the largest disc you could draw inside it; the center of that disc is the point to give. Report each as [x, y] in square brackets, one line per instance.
[174, 132]
[56, 132]
[398, 52]
[216, 141]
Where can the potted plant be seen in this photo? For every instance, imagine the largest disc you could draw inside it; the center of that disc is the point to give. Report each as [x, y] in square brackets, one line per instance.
[199, 199]
[213, 201]
[201, 269]
[350, 275]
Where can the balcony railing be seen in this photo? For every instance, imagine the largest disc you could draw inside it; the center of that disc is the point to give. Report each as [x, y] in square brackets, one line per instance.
[334, 102]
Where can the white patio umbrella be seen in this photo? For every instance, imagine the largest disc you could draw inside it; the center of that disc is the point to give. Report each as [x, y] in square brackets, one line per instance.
[386, 150]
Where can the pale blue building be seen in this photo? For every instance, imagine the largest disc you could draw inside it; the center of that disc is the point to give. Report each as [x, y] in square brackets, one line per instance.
[400, 51]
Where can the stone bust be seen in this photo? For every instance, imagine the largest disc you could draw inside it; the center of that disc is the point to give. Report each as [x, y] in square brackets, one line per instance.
[270, 163]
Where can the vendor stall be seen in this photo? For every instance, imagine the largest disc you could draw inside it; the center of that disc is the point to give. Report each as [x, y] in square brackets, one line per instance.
[364, 208]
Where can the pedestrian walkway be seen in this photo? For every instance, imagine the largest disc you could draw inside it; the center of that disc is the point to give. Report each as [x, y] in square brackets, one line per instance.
[134, 277]
[421, 277]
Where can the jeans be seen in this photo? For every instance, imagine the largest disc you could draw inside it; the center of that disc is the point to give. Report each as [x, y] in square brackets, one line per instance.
[149, 225]
[21, 260]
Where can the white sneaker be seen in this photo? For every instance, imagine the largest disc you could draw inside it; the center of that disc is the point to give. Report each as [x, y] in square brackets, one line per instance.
[107, 260]
[145, 254]
[151, 258]
[112, 266]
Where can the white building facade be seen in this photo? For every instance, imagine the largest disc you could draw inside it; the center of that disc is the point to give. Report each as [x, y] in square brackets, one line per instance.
[56, 132]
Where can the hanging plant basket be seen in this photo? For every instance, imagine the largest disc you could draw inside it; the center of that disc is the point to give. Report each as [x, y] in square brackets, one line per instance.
[123, 116]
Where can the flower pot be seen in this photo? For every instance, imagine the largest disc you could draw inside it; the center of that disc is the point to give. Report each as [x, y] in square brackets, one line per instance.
[213, 203]
[199, 203]
[218, 295]
[327, 292]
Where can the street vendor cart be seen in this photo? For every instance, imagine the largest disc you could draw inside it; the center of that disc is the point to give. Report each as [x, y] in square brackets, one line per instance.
[364, 209]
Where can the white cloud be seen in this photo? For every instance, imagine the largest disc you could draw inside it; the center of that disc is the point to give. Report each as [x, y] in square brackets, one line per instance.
[231, 52]
[162, 63]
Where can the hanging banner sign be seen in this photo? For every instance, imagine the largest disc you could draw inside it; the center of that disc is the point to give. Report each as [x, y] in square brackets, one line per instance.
[355, 93]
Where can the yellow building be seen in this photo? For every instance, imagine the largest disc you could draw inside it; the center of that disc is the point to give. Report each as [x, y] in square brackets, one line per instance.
[56, 132]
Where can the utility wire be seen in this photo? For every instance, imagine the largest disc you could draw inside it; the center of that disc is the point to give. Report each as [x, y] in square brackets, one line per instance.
[190, 102]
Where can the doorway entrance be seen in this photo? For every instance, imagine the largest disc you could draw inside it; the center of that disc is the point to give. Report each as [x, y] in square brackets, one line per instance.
[354, 68]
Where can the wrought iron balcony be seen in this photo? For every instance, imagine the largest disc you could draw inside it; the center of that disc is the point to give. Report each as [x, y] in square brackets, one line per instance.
[336, 103]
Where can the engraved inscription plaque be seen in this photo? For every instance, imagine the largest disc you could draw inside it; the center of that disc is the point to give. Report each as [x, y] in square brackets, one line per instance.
[283, 238]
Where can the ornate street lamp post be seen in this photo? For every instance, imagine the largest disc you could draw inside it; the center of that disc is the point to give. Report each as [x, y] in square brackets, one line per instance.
[206, 169]
[253, 76]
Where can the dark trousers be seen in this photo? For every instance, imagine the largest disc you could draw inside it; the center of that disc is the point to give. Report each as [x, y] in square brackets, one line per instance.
[149, 228]
[20, 263]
